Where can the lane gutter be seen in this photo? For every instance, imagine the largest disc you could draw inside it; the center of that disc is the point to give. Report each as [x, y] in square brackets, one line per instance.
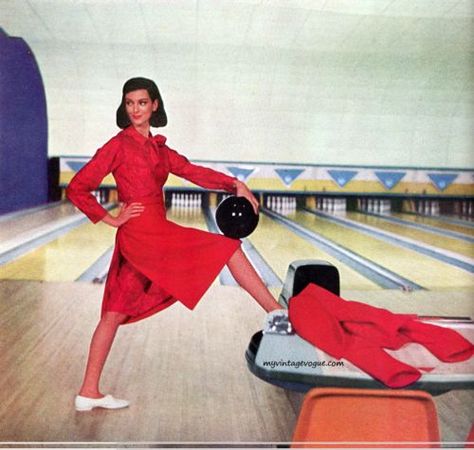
[420, 226]
[445, 256]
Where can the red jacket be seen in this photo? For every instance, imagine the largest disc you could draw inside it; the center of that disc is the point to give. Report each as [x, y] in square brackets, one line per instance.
[360, 333]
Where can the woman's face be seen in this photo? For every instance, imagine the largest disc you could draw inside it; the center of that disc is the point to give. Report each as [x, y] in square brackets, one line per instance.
[140, 107]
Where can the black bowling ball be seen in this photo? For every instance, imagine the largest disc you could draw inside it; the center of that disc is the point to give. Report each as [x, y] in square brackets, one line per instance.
[235, 217]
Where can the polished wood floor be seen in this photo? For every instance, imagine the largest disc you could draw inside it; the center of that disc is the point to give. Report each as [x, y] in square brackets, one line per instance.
[184, 372]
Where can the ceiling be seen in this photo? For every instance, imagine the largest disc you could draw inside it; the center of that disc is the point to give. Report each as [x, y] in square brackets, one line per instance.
[302, 80]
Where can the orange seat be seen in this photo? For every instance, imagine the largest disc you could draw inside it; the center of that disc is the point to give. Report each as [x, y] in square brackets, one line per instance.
[343, 417]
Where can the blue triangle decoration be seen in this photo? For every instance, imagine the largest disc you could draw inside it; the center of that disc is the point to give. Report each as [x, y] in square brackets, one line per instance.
[289, 175]
[342, 177]
[239, 173]
[442, 180]
[76, 166]
[390, 179]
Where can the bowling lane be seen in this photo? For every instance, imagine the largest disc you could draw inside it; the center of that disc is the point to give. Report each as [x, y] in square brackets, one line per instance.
[68, 256]
[435, 222]
[187, 217]
[11, 228]
[423, 270]
[445, 242]
[65, 258]
[279, 247]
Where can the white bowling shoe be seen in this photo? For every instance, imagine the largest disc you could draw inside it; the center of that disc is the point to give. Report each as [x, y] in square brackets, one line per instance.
[108, 402]
[277, 322]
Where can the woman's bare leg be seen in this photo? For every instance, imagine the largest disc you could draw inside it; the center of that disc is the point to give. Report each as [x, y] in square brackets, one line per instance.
[248, 278]
[99, 349]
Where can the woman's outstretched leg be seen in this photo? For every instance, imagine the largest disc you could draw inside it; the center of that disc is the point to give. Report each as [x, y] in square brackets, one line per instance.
[99, 349]
[248, 278]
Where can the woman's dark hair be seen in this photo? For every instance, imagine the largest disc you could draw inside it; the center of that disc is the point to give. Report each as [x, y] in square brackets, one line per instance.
[158, 118]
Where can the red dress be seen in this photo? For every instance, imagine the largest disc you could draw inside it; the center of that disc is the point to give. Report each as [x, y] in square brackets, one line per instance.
[155, 261]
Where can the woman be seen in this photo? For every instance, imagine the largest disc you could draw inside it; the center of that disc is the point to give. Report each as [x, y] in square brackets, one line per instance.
[155, 262]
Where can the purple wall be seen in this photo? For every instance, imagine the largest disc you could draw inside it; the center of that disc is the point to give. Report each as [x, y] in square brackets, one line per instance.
[23, 128]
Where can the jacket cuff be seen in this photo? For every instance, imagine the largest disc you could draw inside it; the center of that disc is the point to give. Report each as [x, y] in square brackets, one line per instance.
[97, 215]
[231, 185]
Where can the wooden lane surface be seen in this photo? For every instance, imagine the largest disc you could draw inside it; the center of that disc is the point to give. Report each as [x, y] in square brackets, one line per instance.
[279, 247]
[435, 222]
[423, 270]
[65, 258]
[193, 218]
[443, 242]
[184, 372]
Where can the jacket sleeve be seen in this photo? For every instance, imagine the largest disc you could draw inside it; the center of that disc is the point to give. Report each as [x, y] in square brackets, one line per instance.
[202, 176]
[89, 178]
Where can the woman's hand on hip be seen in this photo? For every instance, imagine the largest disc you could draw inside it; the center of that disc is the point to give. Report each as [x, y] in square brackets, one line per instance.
[241, 190]
[126, 212]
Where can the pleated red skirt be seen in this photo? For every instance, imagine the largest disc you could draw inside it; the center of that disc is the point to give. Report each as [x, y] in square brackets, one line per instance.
[157, 262]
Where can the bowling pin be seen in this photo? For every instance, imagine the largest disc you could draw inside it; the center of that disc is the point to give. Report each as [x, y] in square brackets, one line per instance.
[421, 206]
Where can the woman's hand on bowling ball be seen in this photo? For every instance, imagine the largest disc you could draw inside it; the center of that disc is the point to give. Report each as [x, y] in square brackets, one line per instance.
[241, 190]
[126, 212]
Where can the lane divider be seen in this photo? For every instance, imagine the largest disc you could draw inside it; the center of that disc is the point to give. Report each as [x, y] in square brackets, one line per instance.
[26, 211]
[421, 226]
[270, 278]
[446, 256]
[34, 238]
[97, 272]
[366, 267]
